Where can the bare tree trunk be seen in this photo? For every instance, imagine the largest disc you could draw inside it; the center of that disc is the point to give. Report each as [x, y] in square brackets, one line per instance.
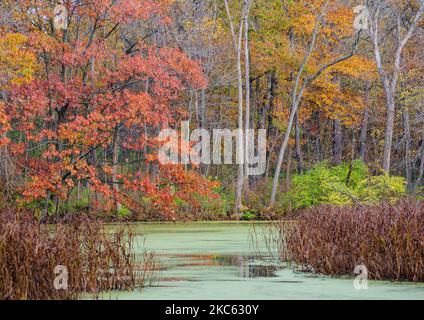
[154, 166]
[263, 110]
[364, 125]
[407, 137]
[421, 170]
[288, 173]
[337, 142]
[203, 167]
[299, 156]
[237, 41]
[257, 102]
[247, 102]
[265, 116]
[115, 160]
[282, 152]
[388, 137]
[240, 175]
[389, 78]
[364, 130]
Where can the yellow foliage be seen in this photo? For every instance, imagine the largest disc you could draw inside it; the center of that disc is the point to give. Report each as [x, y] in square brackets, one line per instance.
[358, 67]
[17, 62]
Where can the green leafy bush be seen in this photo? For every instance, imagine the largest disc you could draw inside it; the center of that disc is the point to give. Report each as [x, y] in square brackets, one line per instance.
[386, 188]
[37, 206]
[214, 206]
[248, 216]
[345, 184]
[123, 212]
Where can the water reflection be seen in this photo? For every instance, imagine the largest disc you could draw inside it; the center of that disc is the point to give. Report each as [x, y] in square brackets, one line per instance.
[246, 266]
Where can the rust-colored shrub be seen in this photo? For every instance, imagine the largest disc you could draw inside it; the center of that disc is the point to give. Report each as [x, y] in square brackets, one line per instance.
[95, 260]
[387, 239]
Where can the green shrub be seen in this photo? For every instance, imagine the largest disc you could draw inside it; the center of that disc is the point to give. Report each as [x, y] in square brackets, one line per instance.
[123, 212]
[215, 206]
[179, 202]
[345, 184]
[386, 188]
[248, 216]
[37, 207]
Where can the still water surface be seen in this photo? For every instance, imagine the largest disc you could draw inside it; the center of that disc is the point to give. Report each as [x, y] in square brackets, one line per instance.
[222, 261]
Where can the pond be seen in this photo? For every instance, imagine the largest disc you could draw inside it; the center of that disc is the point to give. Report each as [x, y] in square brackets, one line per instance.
[215, 260]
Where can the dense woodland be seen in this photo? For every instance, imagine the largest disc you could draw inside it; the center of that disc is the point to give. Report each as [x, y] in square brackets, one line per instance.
[81, 107]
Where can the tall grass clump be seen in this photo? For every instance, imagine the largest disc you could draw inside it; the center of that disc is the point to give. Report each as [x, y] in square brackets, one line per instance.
[96, 261]
[388, 239]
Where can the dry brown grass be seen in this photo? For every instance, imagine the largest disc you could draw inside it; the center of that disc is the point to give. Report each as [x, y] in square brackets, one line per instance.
[387, 239]
[96, 261]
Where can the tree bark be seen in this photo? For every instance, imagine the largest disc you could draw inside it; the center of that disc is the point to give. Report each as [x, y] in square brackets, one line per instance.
[288, 173]
[247, 102]
[265, 118]
[203, 167]
[337, 142]
[299, 156]
[407, 137]
[364, 131]
[115, 160]
[388, 137]
[421, 170]
[364, 125]
[282, 152]
[237, 41]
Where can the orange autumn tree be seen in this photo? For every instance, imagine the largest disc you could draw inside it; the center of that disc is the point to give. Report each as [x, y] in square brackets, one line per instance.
[90, 116]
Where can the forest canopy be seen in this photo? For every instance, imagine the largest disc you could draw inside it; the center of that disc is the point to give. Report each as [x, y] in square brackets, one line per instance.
[87, 87]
